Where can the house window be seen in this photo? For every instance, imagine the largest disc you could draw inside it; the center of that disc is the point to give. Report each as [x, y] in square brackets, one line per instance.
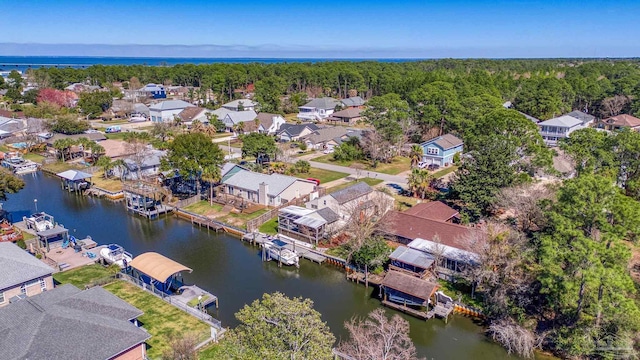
[43, 284]
[432, 151]
[23, 289]
[325, 202]
[1, 297]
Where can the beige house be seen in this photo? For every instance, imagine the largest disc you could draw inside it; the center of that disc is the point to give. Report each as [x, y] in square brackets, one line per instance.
[22, 274]
[354, 200]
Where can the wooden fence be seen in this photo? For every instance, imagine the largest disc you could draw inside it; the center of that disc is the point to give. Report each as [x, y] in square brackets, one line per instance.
[188, 201]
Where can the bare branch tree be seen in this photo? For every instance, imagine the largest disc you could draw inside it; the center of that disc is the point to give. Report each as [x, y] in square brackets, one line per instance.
[614, 105]
[523, 204]
[378, 337]
[183, 348]
[514, 338]
[138, 151]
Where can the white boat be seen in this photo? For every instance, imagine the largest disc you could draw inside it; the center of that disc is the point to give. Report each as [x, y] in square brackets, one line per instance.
[27, 168]
[115, 254]
[275, 249]
[39, 222]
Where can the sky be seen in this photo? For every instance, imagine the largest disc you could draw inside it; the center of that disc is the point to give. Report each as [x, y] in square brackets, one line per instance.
[336, 29]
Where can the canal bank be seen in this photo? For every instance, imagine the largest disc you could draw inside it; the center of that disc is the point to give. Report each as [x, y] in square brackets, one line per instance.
[233, 270]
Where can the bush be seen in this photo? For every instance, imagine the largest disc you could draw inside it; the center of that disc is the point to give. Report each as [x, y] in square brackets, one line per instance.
[303, 146]
[21, 244]
[38, 256]
[302, 166]
[347, 152]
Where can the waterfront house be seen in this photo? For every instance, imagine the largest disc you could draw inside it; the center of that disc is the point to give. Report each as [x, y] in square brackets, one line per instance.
[22, 274]
[241, 105]
[10, 127]
[67, 323]
[233, 118]
[346, 116]
[558, 128]
[353, 102]
[293, 132]
[412, 262]
[354, 200]
[619, 122]
[165, 111]
[441, 150]
[307, 224]
[317, 109]
[154, 91]
[269, 190]
[270, 123]
[149, 166]
[587, 119]
[191, 114]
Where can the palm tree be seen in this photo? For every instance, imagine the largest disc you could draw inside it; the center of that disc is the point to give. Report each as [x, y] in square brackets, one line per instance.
[197, 126]
[419, 182]
[212, 176]
[105, 163]
[416, 155]
[63, 146]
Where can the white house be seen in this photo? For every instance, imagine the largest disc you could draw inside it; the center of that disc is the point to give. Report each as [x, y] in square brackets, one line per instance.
[241, 105]
[270, 123]
[191, 114]
[235, 117]
[558, 128]
[354, 199]
[165, 111]
[318, 109]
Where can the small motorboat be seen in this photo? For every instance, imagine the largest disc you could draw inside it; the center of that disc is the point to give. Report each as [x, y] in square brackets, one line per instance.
[277, 251]
[39, 222]
[115, 254]
[26, 168]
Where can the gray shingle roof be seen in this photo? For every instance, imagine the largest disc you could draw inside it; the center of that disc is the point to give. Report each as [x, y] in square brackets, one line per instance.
[236, 103]
[296, 129]
[241, 116]
[328, 214]
[353, 101]
[66, 323]
[170, 105]
[326, 103]
[562, 121]
[352, 192]
[266, 119]
[446, 141]
[585, 118]
[348, 113]
[325, 134]
[249, 180]
[17, 266]
[74, 175]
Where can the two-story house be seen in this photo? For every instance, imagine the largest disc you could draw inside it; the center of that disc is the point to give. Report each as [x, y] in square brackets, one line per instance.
[441, 150]
[153, 91]
[317, 109]
[22, 274]
[165, 111]
[561, 127]
[619, 122]
[270, 123]
[354, 199]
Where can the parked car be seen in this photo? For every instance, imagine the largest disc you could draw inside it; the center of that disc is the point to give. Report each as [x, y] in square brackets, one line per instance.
[433, 166]
[422, 164]
[315, 181]
[328, 151]
[113, 129]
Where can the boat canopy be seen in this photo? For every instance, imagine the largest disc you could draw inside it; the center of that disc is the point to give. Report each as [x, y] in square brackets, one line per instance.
[74, 175]
[157, 266]
[410, 285]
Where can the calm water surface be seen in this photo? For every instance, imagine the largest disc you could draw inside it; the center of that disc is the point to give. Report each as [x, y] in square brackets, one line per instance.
[233, 271]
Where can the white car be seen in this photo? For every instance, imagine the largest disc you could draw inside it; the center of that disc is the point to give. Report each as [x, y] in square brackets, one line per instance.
[328, 151]
[422, 164]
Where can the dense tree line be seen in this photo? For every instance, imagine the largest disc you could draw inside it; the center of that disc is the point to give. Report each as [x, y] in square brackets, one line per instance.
[541, 88]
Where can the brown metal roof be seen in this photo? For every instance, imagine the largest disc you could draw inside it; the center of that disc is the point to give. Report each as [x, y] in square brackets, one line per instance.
[157, 266]
[434, 210]
[623, 120]
[409, 285]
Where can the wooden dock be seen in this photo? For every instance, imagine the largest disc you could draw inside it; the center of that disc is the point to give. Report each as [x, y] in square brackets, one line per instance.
[359, 277]
[407, 310]
[301, 250]
[151, 214]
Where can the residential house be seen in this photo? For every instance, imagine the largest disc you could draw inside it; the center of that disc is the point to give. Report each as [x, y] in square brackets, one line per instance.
[12, 114]
[11, 127]
[93, 136]
[165, 111]
[306, 224]
[441, 150]
[233, 118]
[149, 165]
[270, 123]
[323, 138]
[181, 91]
[435, 210]
[619, 122]
[69, 323]
[353, 102]
[221, 113]
[587, 119]
[347, 116]
[411, 261]
[190, 114]
[140, 110]
[154, 91]
[293, 132]
[22, 274]
[561, 127]
[317, 109]
[353, 200]
[114, 149]
[78, 88]
[241, 105]
[270, 190]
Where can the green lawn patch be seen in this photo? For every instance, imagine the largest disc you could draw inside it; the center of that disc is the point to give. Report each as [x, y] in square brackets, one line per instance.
[209, 352]
[34, 157]
[445, 171]
[240, 220]
[460, 291]
[396, 166]
[161, 319]
[369, 181]
[83, 276]
[270, 227]
[113, 185]
[194, 302]
[60, 166]
[116, 136]
[324, 176]
[203, 207]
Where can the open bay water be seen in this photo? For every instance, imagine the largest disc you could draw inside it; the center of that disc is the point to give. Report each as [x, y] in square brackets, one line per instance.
[233, 270]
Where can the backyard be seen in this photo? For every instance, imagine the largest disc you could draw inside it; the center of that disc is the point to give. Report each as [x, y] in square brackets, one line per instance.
[324, 176]
[270, 227]
[396, 166]
[216, 211]
[113, 185]
[84, 276]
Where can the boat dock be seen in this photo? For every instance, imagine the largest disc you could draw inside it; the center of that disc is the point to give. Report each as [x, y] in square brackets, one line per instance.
[151, 214]
[302, 249]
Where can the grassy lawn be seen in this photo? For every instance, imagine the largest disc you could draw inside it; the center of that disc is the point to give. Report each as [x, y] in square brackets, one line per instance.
[237, 144]
[116, 136]
[82, 276]
[404, 202]
[369, 181]
[60, 166]
[324, 176]
[395, 167]
[239, 220]
[34, 157]
[107, 184]
[210, 352]
[194, 302]
[459, 290]
[202, 207]
[162, 320]
[222, 135]
[443, 172]
[270, 227]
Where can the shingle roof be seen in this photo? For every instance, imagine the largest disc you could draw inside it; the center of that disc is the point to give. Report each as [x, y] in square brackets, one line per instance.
[245, 102]
[585, 118]
[409, 285]
[322, 103]
[191, 113]
[241, 116]
[296, 129]
[66, 323]
[325, 134]
[328, 214]
[352, 192]
[623, 120]
[17, 266]
[353, 101]
[170, 105]
[446, 141]
[348, 113]
[434, 210]
[250, 180]
[221, 112]
[266, 119]
[412, 257]
[562, 121]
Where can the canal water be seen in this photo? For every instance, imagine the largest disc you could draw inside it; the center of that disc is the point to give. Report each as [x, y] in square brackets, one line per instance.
[233, 270]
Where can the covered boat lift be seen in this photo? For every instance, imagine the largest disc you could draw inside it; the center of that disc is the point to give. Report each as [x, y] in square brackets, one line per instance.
[54, 235]
[409, 294]
[74, 180]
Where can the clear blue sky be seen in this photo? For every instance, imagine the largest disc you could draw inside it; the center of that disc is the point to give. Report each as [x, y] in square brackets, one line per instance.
[410, 28]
